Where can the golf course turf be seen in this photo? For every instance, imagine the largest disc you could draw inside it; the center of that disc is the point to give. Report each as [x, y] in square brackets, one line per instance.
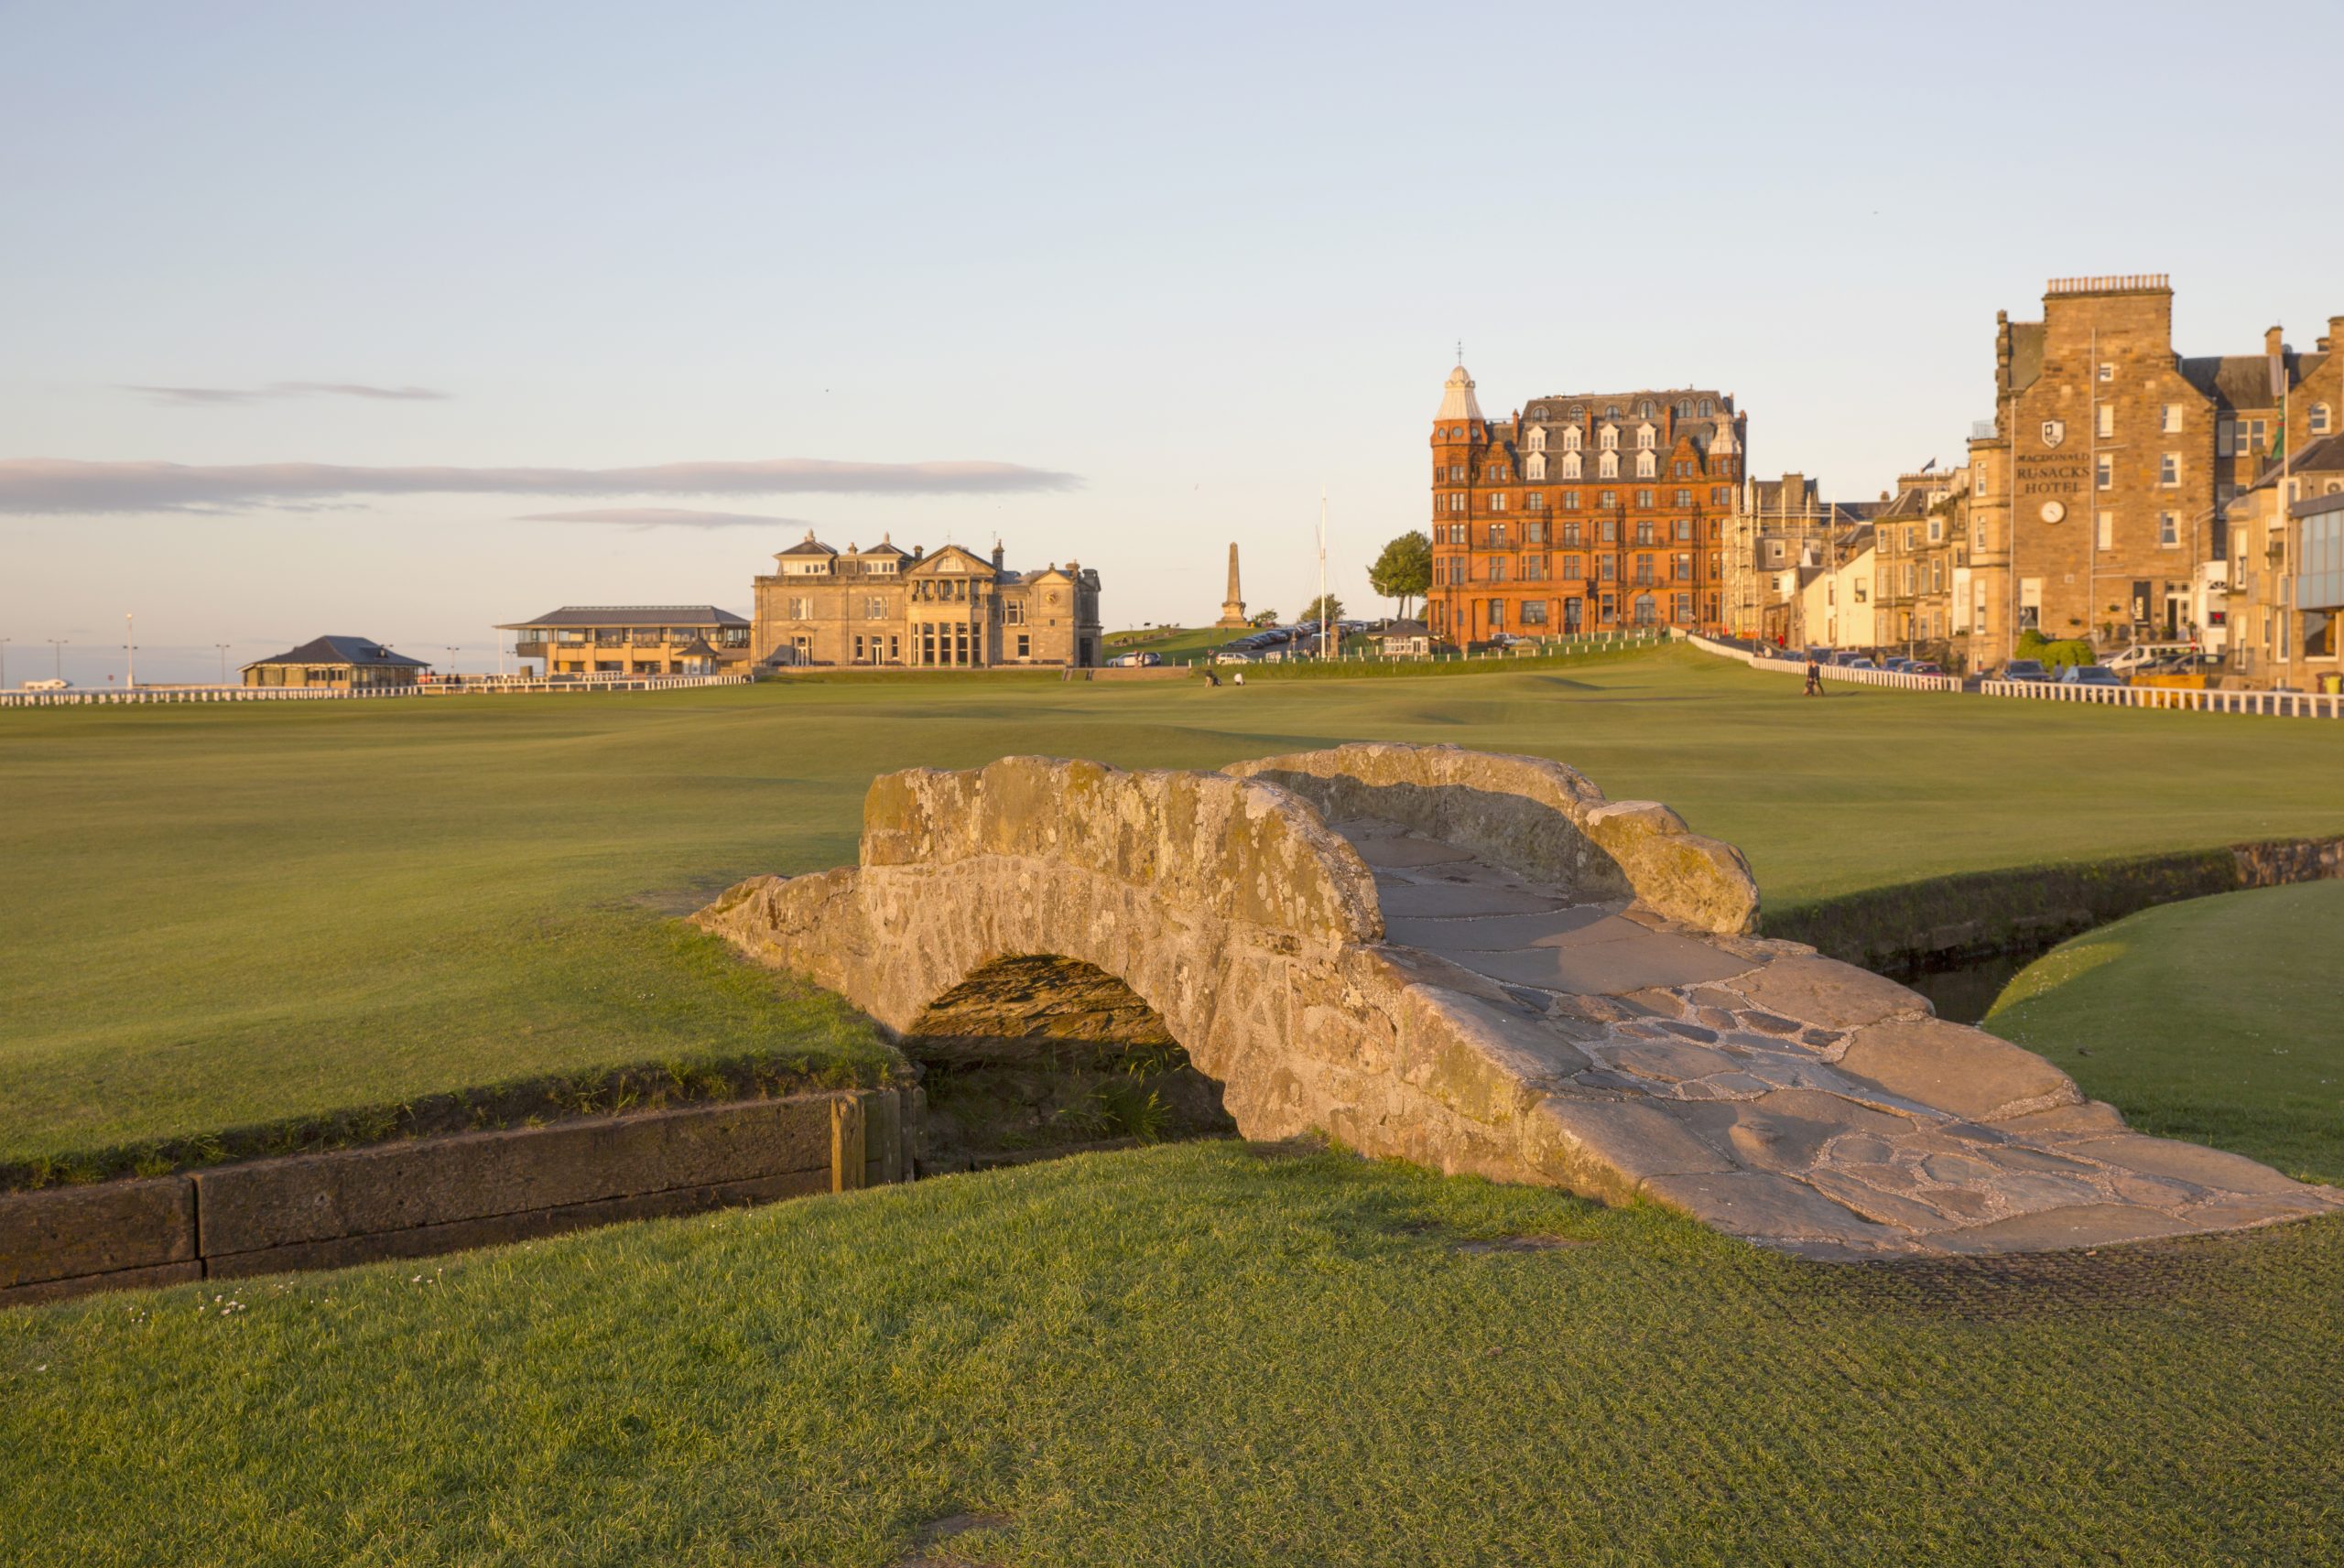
[1197, 1354]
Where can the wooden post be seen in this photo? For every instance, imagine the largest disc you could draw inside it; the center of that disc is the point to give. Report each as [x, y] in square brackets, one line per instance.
[847, 1153]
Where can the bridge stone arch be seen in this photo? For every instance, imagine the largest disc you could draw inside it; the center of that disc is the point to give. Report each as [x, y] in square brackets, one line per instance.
[1479, 964]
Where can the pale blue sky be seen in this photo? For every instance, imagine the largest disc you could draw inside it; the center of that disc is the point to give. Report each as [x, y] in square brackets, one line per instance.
[1200, 258]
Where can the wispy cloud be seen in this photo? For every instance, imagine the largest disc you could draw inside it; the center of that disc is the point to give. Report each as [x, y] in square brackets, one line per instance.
[664, 517]
[276, 389]
[50, 486]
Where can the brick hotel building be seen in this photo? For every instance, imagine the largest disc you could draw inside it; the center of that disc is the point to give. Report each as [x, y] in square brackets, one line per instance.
[1582, 512]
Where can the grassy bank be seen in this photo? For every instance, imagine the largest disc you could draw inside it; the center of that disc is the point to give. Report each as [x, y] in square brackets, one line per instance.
[2219, 1020]
[1192, 1354]
[233, 915]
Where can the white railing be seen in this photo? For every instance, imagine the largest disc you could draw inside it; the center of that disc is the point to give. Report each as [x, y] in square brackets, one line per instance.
[488, 685]
[2192, 699]
[1794, 665]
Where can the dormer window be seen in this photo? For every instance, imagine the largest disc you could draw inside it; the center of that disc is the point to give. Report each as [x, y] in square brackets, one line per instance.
[1578, 411]
[1707, 408]
[1645, 410]
[1607, 466]
[1570, 465]
[1572, 439]
[1536, 467]
[1608, 437]
[1644, 465]
[1538, 439]
[1645, 435]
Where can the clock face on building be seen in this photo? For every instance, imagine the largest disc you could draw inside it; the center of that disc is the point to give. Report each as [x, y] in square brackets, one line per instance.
[2053, 511]
[1052, 596]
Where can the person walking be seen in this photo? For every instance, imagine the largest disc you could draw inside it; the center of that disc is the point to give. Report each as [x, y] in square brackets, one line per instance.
[1813, 676]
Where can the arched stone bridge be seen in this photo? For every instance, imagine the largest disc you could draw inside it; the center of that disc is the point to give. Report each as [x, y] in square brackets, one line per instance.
[1476, 963]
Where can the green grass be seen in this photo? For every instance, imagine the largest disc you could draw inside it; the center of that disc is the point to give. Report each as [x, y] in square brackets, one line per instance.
[2219, 1020]
[1171, 644]
[1191, 1354]
[232, 915]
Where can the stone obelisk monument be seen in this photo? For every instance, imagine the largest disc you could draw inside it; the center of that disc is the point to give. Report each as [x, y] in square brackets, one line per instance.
[1233, 609]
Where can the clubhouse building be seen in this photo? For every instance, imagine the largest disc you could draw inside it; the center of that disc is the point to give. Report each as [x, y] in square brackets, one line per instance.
[952, 608]
[635, 640]
[336, 661]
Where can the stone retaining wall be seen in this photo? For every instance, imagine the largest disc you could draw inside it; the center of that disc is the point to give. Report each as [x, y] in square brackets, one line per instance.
[1957, 919]
[438, 1195]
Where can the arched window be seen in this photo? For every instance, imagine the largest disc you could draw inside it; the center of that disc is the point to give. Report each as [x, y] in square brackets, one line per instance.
[1644, 465]
[1534, 466]
[1685, 409]
[1706, 408]
[1537, 411]
[1608, 437]
[2319, 419]
[1570, 464]
[1578, 411]
[1612, 412]
[1645, 410]
[1608, 465]
[1572, 439]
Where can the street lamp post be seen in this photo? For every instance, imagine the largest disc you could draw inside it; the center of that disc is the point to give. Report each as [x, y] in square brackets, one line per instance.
[57, 644]
[129, 652]
[4, 664]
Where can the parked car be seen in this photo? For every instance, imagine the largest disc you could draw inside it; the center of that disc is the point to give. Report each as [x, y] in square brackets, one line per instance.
[1857, 661]
[1899, 665]
[1235, 656]
[1923, 667]
[2090, 674]
[2140, 655]
[1136, 661]
[2028, 670]
[48, 684]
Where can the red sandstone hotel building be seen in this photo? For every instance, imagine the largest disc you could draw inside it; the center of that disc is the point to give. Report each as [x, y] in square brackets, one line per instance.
[1582, 512]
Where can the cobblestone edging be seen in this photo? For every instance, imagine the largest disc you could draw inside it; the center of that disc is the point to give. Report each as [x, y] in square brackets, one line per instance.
[425, 1195]
[1957, 919]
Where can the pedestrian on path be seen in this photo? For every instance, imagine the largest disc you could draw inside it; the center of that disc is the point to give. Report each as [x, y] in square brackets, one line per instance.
[1813, 676]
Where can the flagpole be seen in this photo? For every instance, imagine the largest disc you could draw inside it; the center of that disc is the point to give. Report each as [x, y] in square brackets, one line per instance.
[1323, 616]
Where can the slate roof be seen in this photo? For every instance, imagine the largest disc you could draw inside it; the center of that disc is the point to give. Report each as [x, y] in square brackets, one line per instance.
[342, 650]
[2325, 455]
[2242, 381]
[631, 615]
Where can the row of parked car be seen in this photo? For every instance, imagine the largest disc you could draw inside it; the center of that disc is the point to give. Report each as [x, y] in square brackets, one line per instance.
[1296, 641]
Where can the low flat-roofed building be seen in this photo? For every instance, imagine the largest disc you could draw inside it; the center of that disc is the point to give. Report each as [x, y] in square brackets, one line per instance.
[342, 661]
[636, 640]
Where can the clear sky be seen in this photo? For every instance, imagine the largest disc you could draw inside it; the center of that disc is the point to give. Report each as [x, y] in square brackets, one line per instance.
[1119, 283]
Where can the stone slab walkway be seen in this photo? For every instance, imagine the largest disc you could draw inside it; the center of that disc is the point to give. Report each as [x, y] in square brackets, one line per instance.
[1800, 1102]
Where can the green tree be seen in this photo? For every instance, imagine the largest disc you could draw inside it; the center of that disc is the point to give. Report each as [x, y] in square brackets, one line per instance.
[1324, 608]
[1403, 571]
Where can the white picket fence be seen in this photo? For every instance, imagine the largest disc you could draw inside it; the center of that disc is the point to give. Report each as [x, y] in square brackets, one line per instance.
[2274, 704]
[1795, 667]
[486, 687]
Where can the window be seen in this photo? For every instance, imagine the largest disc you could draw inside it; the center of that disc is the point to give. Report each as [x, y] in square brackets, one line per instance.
[2169, 418]
[2107, 371]
[1534, 501]
[2106, 479]
[2107, 420]
[1643, 532]
[1680, 471]
[1609, 438]
[1497, 614]
[1684, 498]
[1706, 408]
[1457, 533]
[1647, 612]
[1608, 610]
[1646, 437]
[1538, 436]
[1607, 466]
[1571, 465]
[1535, 468]
[1456, 473]
[2168, 530]
[1647, 466]
[1497, 568]
[1570, 532]
[1644, 409]
[1457, 504]
[1533, 613]
[1533, 533]
[1643, 498]
[1571, 439]
[2169, 470]
[1683, 607]
[801, 610]
[1936, 530]
[1497, 535]
[1684, 528]
[1570, 503]
[1644, 570]
[1497, 502]
[1494, 474]
[875, 608]
[1681, 568]
[1607, 499]
[2318, 422]
[1573, 567]
[2225, 438]
[1720, 496]
[2108, 530]
[1024, 645]
[1606, 569]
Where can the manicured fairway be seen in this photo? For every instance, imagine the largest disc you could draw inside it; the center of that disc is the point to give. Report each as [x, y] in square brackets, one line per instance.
[2219, 1020]
[1192, 1354]
[220, 915]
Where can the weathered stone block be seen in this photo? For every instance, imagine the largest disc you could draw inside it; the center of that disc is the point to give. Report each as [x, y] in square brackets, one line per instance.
[1962, 1070]
[59, 1233]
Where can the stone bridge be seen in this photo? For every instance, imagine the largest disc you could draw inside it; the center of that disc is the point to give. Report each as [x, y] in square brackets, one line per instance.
[1476, 963]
